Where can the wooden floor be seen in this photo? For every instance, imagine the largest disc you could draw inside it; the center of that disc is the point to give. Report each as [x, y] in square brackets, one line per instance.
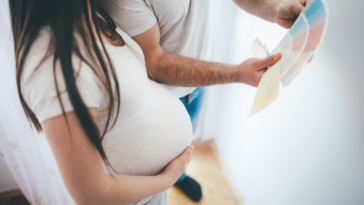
[14, 197]
[206, 168]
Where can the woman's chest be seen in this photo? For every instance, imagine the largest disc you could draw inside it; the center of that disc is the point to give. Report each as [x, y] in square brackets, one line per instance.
[132, 80]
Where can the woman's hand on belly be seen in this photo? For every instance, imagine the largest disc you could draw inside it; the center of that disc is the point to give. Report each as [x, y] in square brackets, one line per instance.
[177, 166]
[81, 166]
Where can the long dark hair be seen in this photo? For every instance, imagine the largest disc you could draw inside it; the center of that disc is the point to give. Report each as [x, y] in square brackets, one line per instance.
[65, 17]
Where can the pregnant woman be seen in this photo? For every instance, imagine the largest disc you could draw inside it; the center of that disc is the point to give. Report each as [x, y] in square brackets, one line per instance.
[117, 136]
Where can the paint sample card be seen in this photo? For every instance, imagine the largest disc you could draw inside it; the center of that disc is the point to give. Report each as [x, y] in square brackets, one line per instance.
[316, 20]
[259, 50]
[297, 48]
[299, 33]
[302, 59]
[265, 98]
[270, 77]
[268, 88]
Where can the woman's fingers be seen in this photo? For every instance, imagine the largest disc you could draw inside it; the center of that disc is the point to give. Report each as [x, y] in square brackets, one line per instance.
[186, 155]
[178, 165]
[181, 161]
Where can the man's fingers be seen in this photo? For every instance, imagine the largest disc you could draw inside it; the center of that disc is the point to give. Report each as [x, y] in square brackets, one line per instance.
[285, 23]
[288, 11]
[271, 60]
[296, 8]
[290, 8]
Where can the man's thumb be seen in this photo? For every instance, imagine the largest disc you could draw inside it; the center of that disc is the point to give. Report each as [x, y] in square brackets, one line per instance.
[271, 60]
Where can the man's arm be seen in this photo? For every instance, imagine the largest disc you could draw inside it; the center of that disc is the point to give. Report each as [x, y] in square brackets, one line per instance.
[179, 70]
[284, 12]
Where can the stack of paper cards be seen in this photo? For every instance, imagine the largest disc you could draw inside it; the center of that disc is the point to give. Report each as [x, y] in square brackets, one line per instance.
[259, 50]
[297, 48]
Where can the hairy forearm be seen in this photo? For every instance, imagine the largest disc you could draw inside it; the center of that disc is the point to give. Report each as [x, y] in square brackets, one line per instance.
[266, 9]
[179, 70]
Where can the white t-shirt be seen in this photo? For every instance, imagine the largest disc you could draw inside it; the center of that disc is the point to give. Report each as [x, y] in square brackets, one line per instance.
[183, 25]
[152, 128]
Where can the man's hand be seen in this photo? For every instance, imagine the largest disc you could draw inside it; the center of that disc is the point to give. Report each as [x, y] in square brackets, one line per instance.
[284, 12]
[288, 11]
[252, 69]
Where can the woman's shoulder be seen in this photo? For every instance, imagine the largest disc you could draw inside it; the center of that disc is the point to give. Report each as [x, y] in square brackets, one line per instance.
[40, 63]
[42, 80]
[37, 55]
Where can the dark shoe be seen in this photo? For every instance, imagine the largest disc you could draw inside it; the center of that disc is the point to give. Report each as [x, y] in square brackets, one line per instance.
[191, 188]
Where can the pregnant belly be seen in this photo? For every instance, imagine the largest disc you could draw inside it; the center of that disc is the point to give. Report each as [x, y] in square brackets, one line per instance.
[146, 143]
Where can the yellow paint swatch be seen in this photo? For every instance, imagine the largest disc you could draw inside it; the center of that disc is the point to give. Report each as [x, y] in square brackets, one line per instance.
[264, 83]
[259, 102]
[272, 93]
[275, 76]
[265, 98]
[270, 77]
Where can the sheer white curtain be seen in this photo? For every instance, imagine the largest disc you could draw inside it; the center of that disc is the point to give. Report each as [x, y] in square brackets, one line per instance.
[26, 152]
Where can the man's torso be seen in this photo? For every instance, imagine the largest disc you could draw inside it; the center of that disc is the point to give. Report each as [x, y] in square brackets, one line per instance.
[183, 26]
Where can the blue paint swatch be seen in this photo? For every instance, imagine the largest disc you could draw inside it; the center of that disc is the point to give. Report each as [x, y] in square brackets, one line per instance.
[316, 5]
[298, 27]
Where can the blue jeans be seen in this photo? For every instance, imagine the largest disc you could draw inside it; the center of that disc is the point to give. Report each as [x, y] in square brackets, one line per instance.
[193, 103]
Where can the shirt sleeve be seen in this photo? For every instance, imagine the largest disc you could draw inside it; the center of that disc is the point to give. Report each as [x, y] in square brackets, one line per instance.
[132, 16]
[40, 93]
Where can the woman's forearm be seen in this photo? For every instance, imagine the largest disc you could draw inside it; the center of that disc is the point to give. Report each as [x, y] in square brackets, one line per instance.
[125, 189]
[82, 170]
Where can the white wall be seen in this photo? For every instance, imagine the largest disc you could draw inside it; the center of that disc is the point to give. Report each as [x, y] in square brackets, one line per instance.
[308, 146]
